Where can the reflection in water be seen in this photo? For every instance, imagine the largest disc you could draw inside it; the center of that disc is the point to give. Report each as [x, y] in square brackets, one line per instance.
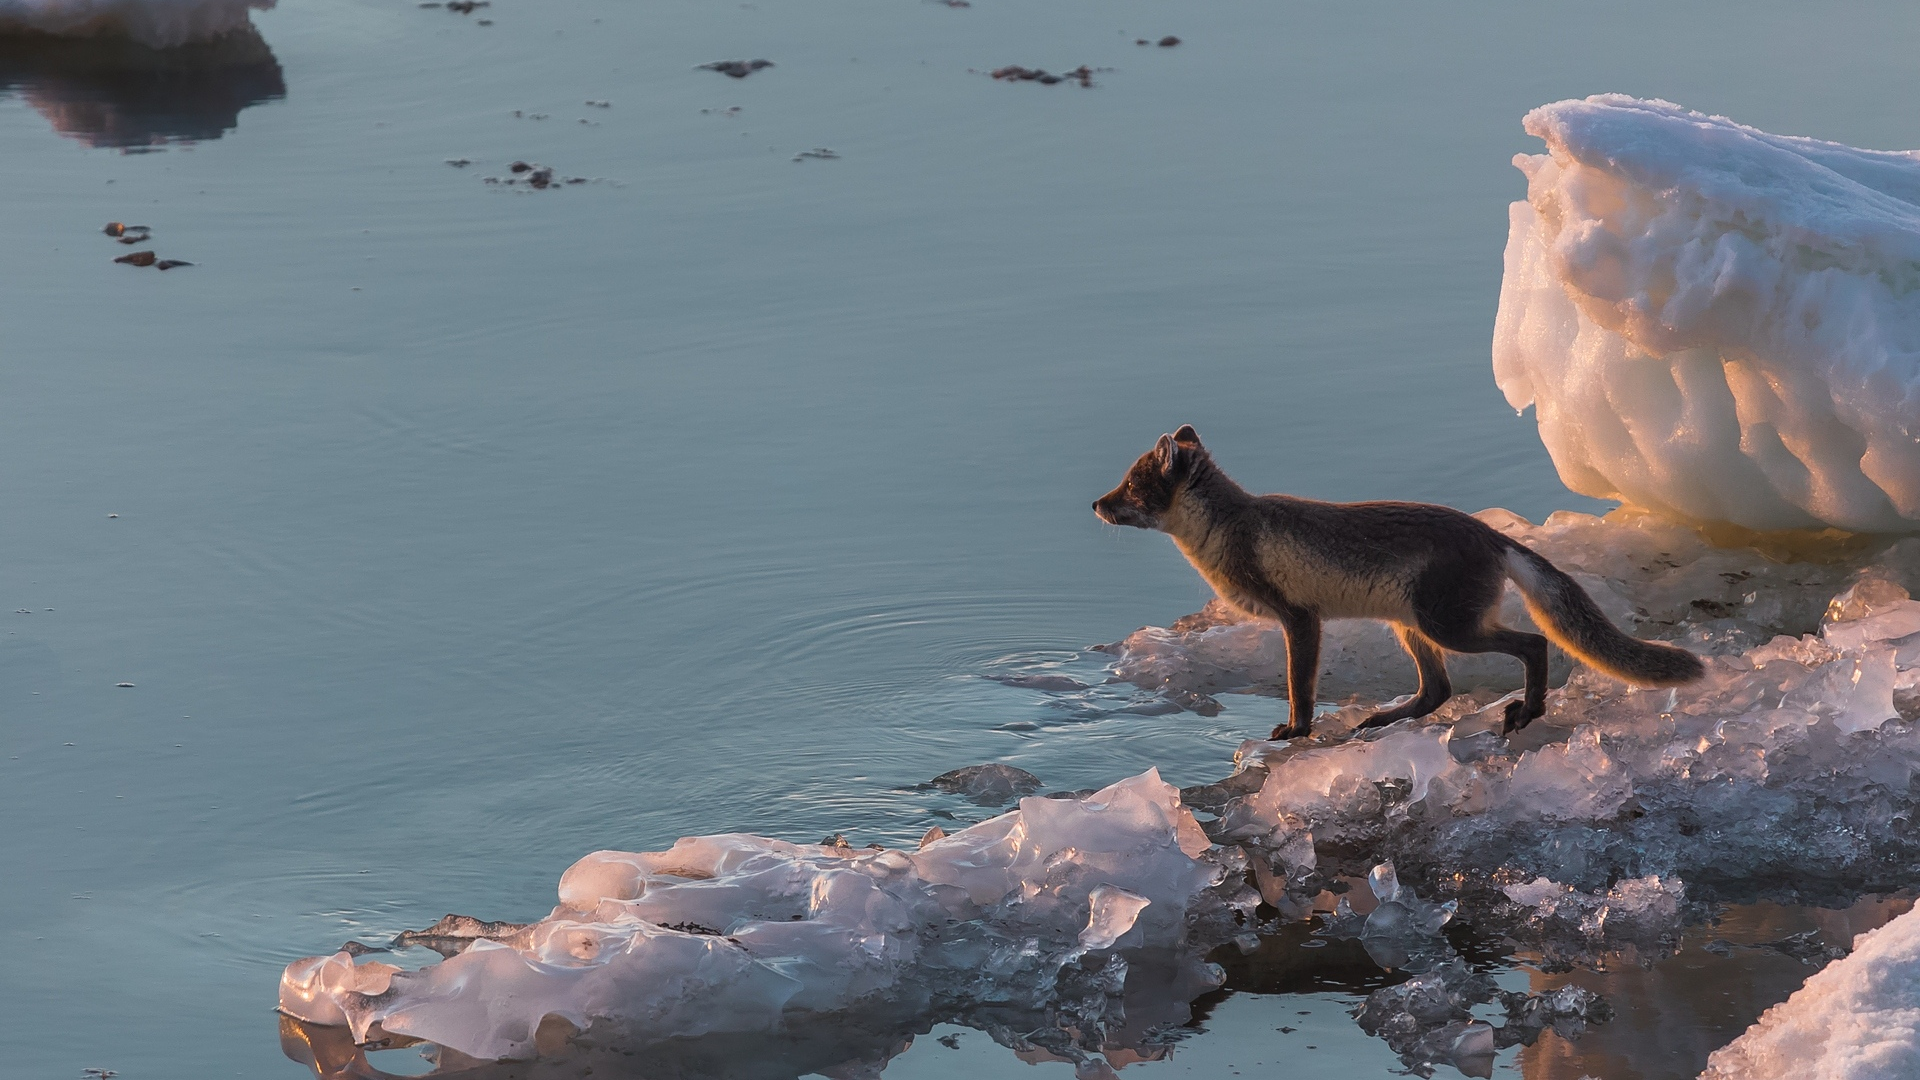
[112, 91]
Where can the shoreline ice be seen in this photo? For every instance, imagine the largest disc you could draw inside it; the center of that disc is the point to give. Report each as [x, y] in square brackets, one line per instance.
[1717, 323]
[159, 24]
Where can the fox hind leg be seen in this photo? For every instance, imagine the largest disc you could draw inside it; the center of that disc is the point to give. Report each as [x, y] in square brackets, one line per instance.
[1435, 687]
[1530, 649]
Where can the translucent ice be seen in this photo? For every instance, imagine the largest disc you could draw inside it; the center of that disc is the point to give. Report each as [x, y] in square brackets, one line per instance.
[158, 23]
[1859, 1019]
[736, 933]
[1716, 323]
[1429, 1019]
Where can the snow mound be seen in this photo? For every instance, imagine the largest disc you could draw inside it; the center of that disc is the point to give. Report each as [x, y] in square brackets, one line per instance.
[1715, 323]
[1859, 1019]
[1042, 908]
[160, 24]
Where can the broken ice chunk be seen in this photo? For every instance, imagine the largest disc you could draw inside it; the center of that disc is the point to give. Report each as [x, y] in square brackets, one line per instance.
[1111, 913]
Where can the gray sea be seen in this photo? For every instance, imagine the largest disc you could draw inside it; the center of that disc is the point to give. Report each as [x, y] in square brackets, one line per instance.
[427, 533]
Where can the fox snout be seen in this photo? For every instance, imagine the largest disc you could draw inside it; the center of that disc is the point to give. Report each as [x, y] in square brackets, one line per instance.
[1115, 508]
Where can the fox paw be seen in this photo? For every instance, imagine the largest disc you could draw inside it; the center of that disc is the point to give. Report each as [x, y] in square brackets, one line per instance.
[1518, 717]
[1288, 731]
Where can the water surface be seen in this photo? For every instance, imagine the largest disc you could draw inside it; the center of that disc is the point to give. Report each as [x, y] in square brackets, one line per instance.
[447, 530]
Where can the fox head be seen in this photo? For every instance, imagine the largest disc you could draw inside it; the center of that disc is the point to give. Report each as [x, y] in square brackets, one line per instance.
[1147, 493]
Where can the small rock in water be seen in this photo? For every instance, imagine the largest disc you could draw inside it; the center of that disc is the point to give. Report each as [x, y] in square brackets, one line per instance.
[737, 69]
[820, 152]
[951, 1042]
[168, 264]
[599, 104]
[124, 685]
[459, 162]
[465, 7]
[138, 258]
[992, 784]
[1168, 42]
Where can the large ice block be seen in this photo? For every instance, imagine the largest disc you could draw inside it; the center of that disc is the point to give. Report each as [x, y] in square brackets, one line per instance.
[1715, 323]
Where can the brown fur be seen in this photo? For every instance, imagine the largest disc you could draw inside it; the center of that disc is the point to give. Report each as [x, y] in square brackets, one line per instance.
[1433, 572]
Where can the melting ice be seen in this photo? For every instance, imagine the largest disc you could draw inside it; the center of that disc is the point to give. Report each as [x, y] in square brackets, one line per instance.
[1036, 916]
[1717, 323]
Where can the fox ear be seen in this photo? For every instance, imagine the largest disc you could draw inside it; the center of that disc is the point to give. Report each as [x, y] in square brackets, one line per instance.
[1187, 435]
[1167, 452]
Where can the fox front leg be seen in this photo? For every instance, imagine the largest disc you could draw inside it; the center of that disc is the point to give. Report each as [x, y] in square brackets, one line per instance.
[1303, 673]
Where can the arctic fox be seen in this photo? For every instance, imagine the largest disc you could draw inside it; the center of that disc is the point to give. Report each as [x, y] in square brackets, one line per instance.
[1433, 572]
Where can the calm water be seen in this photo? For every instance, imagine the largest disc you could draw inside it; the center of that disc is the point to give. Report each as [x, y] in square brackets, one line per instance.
[463, 529]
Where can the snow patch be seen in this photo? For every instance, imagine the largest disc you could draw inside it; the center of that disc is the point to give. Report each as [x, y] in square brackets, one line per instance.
[1858, 1019]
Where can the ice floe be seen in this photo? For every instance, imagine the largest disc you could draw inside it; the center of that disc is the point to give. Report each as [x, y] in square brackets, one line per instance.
[1788, 771]
[1041, 909]
[1859, 1019]
[1717, 323]
[159, 24]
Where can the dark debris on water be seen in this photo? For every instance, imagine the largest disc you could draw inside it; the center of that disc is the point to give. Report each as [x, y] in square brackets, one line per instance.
[139, 234]
[1015, 73]
[539, 177]
[737, 69]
